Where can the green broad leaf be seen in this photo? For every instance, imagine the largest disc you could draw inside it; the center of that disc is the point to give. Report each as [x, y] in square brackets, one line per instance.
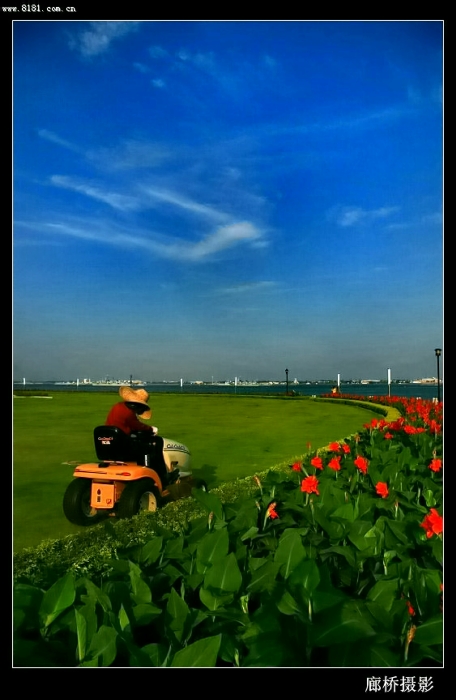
[141, 592]
[156, 653]
[430, 632]
[345, 512]
[26, 604]
[246, 517]
[346, 552]
[176, 614]
[334, 530]
[395, 534]
[328, 598]
[289, 552]
[306, 576]
[287, 605]
[150, 552]
[383, 657]
[210, 502]
[120, 566]
[256, 562]
[145, 613]
[193, 581]
[251, 532]
[357, 534]
[384, 593]
[137, 658]
[430, 498]
[224, 575]
[172, 572]
[213, 547]
[264, 578]
[341, 625]
[103, 647]
[174, 548]
[214, 602]
[266, 651]
[202, 653]
[124, 620]
[94, 594]
[86, 626]
[57, 599]
[437, 549]
[81, 633]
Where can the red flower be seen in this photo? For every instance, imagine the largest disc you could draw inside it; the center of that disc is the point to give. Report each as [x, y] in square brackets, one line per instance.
[296, 466]
[436, 465]
[334, 463]
[361, 463]
[309, 485]
[271, 513]
[334, 447]
[410, 608]
[317, 462]
[388, 436]
[382, 489]
[346, 449]
[433, 523]
[409, 429]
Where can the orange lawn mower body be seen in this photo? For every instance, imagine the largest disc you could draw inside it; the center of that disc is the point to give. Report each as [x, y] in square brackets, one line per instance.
[124, 482]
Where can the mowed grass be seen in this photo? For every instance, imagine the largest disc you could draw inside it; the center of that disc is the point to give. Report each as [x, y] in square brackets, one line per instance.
[229, 437]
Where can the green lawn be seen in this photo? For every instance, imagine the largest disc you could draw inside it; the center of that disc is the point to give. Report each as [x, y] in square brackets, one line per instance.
[229, 437]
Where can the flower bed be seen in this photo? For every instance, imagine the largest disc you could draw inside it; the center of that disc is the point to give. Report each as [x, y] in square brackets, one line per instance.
[337, 562]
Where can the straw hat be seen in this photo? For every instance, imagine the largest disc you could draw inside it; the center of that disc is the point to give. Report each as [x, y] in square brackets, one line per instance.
[136, 396]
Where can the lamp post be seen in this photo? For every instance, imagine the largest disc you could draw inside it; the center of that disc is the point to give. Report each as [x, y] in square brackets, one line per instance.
[286, 374]
[438, 352]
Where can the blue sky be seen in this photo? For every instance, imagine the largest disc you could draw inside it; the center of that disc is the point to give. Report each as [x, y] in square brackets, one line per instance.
[205, 199]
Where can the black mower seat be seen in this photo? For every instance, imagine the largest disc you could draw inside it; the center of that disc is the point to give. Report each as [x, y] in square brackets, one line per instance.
[112, 444]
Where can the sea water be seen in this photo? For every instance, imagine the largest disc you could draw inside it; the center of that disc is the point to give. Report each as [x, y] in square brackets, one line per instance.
[424, 391]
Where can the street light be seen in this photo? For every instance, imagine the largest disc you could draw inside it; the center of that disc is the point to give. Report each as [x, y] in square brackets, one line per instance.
[438, 352]
[286, 373]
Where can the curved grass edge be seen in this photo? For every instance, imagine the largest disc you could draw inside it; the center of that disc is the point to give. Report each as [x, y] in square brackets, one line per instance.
[88, 553]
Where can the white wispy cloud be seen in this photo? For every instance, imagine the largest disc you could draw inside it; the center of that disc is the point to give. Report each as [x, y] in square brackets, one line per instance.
[351, 216]
[54, 138]
[98, 39]
[248, 287]
[172, 248]
[183, 202]
[113, 199]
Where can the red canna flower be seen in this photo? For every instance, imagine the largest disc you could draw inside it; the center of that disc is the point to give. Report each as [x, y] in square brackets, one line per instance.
[346, 449]
[410, 608]
[388, 436]
[436, 465]
[317, 462]
[361, 463]
[310, 485]
[271, 512]
[433, 523]
[409, 429]
[334, 463]
[334, 447]
[296, 466]
[382, 489]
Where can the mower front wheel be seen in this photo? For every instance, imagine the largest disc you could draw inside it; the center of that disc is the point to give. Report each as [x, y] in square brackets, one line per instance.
[138, 496]
[76, 503]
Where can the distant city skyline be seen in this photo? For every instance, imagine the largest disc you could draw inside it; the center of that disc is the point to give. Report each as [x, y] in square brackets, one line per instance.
[207, 198]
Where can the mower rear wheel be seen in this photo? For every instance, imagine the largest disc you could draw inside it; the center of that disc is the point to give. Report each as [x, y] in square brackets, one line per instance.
[76, 503]
[200, 484]
[138, 496]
